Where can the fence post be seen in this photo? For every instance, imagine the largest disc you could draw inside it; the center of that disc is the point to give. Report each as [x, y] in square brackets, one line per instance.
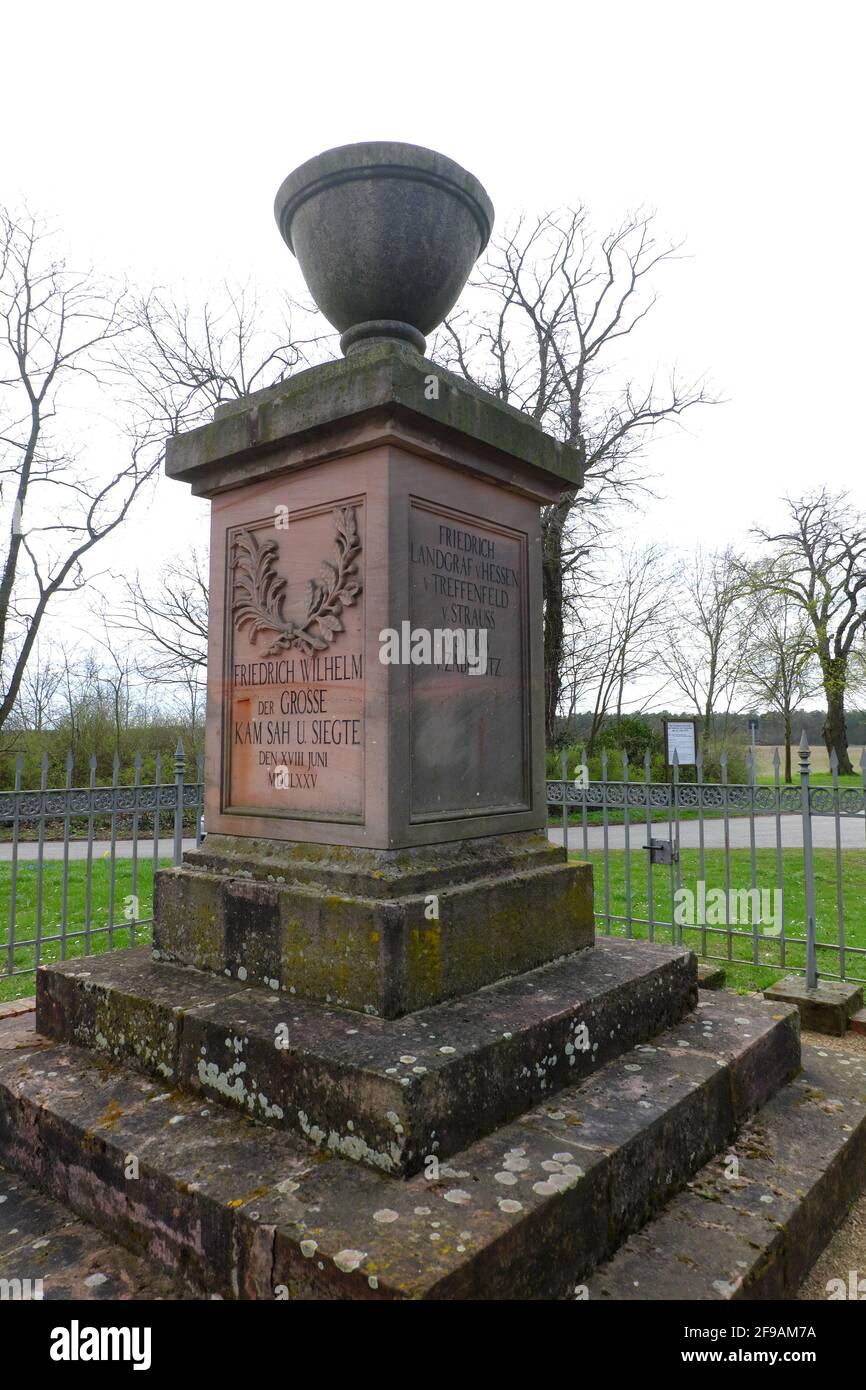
[564, 771]
[808, 866]
[179, 769]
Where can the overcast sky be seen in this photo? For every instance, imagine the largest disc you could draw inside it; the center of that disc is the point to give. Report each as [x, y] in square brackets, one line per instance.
[158, 134]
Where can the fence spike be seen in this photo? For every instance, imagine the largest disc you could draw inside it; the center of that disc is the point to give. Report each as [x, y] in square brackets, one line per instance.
[863, 760]
[834, 761]
[178, 752]
[777, 761]
[675, 760]
[804, 742]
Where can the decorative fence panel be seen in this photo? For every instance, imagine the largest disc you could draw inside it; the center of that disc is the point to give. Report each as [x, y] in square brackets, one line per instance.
[77, 864]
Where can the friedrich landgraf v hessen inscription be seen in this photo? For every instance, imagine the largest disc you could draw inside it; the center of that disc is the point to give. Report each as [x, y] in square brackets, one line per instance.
[469, 730]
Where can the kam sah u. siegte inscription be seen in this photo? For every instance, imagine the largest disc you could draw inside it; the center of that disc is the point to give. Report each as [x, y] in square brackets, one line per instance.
[294, 732]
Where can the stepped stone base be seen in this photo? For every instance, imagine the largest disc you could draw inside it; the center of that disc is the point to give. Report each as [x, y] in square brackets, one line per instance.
[381, 931]
[246, 1210]
[800, 1163]
[386, 1092]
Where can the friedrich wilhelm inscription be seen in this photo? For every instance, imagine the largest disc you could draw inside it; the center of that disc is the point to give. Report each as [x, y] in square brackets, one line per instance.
[295, 733]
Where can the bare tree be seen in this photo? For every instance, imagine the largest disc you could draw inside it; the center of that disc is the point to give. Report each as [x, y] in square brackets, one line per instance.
[778, 668]
[819, 562]
[58, 326]
[38, 692]
[704, 638]
[617, 638]
[186, 360]
[167, 624]
[555, 305]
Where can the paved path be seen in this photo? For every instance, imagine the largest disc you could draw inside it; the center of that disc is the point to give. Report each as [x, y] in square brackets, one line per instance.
[53, 849]
[853, 833]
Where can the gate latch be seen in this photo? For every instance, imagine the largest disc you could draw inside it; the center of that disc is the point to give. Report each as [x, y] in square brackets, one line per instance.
[662, 852]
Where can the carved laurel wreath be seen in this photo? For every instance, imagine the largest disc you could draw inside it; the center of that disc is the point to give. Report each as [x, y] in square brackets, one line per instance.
[259, 594]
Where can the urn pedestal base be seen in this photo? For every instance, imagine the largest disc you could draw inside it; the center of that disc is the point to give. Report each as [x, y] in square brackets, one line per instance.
[384, 932]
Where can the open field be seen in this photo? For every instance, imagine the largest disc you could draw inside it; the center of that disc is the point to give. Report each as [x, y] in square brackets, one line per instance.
[738, 945]
[819, 764]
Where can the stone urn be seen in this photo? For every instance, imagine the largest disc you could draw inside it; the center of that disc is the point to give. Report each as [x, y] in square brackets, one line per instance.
[385, 234]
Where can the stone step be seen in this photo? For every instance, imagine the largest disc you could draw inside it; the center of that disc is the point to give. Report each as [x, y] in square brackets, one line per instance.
[710, 975]
[387, 1092]
[857, 1022]
[46, 1252]
[754, 1220]
[246, 1210]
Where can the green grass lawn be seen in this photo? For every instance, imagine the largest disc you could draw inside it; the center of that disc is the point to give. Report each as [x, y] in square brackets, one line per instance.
[15, 986]
[742, 971]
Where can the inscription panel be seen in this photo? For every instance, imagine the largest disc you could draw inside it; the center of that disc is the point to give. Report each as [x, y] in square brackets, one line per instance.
[294, 679]
[469, 717]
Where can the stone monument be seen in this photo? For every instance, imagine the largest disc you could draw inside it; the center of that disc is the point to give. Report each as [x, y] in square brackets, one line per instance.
[377, 1054]
[375, 801]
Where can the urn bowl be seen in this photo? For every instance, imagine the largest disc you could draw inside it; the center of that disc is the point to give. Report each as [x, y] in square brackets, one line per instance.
[385, 235]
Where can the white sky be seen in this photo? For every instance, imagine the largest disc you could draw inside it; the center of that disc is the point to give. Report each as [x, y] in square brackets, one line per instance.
[158, 134]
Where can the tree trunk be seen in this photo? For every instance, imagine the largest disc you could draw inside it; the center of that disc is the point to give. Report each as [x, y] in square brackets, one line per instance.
[835, 728]
[554, 621]
[788, 742]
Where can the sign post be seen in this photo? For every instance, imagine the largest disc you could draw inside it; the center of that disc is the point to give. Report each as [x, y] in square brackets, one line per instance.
[681, 737]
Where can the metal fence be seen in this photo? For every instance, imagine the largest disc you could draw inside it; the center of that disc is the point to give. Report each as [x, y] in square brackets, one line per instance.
[53, 914]
[731, 831]
[742, 831]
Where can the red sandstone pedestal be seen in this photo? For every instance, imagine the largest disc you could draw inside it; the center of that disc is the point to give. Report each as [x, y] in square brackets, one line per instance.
[375, 799]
